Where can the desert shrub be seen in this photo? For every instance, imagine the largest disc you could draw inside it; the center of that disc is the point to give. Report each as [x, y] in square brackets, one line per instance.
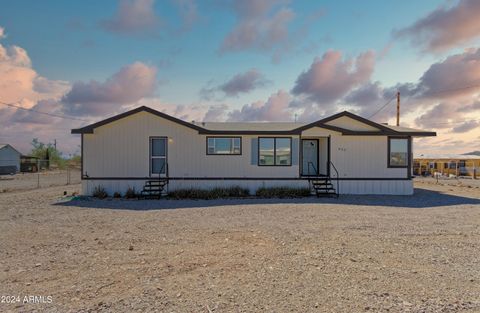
[116, 194]
[99, 192]
[216, 193]
[130, 193]
[282, 192]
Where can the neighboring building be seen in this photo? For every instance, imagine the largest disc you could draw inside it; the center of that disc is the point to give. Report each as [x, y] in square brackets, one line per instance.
[29, 164]
[143, 144]
[447, 164]
[9, 159]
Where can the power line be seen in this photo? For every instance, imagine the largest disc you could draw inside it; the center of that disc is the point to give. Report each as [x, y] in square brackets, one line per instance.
[383, 106]
[41, 112]
[426, 94]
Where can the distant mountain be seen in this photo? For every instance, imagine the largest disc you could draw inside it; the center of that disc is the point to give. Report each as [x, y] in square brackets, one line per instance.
[473, 153]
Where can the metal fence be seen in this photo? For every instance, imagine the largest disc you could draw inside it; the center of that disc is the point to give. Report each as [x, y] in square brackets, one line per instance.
[46, 176]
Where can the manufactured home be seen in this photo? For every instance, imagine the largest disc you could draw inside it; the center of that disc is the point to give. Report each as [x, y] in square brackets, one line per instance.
[341, 154]
[447, 164]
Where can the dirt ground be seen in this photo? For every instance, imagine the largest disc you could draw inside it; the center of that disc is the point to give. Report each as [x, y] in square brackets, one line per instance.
[416, 253]
[43, 179]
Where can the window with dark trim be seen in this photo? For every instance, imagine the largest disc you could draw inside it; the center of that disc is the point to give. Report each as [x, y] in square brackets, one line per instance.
[274, 151]
[158, 155]
[398, 152]
[224, 145]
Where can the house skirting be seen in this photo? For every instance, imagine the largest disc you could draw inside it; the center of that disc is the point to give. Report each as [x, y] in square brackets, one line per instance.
[358, 186]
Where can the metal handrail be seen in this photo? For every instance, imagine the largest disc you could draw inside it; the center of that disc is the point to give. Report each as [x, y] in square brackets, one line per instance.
[336, 178]
[164, 166]
[308, 168]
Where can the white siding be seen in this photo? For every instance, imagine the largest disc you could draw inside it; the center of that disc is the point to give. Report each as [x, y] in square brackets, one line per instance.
[375, 187]
[363, 157]
[351, 124]
[358, 156]
[121, 149]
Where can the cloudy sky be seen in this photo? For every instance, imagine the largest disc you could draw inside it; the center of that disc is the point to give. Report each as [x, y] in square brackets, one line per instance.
[240, 60]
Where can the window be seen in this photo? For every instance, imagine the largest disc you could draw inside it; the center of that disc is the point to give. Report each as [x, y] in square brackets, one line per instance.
[398, 152]
[158, 155]
[275, 151]
[224, 145]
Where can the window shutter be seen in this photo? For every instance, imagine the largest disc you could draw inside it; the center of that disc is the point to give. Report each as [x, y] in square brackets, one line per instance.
[295, 151]
[254, 151]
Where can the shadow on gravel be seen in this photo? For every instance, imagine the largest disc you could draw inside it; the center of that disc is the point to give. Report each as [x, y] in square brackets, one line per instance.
[423, 198]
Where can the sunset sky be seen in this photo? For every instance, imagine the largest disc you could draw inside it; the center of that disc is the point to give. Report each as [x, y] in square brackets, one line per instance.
[240, 60]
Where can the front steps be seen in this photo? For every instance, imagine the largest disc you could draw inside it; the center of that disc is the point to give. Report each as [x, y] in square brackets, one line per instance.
[323, 187]
[153, 189]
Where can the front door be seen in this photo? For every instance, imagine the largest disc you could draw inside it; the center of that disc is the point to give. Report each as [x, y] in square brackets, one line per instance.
[309, 157]
[158, 156]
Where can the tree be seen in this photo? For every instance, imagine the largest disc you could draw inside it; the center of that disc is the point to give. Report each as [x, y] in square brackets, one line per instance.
[47, 152]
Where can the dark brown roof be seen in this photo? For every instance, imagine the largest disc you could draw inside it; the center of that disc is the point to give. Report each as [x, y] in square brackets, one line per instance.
[263, 128]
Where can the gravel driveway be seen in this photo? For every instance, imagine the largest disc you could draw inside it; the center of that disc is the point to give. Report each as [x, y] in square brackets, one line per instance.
[354, 254]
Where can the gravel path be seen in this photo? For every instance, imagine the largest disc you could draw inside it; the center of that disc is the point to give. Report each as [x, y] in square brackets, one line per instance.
[355, 254]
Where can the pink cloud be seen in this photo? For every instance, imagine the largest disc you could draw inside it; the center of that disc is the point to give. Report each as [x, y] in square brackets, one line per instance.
[329, 78]
[132, 83]
[466, 127]
[133, 16]
[445, 28]
[276, 108]
[452, 75]
[261, 25]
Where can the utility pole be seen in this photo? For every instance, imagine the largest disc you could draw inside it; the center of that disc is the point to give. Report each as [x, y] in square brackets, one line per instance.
[55, 144]
[398, 108]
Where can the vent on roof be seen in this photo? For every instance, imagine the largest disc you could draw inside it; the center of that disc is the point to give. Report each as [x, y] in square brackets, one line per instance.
[203, 123]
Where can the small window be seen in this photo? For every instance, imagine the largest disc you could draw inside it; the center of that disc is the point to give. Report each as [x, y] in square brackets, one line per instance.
[398, 152]
[275, 151]
[224, 145]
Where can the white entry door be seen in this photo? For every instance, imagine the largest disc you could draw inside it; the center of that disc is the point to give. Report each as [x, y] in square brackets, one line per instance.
[309, 157]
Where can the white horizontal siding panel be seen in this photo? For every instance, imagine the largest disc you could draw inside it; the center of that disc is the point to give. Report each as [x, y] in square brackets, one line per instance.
[121, 149]
[351, 124]
[363, 157]
[376, 187]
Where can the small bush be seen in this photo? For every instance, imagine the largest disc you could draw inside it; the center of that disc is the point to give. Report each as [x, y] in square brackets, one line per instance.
[116, 194]
[99, 192]
[216, 193]
[130, 193]
[282, 192]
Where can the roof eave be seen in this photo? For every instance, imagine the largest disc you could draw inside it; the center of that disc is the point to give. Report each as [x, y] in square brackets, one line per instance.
[89, 128]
